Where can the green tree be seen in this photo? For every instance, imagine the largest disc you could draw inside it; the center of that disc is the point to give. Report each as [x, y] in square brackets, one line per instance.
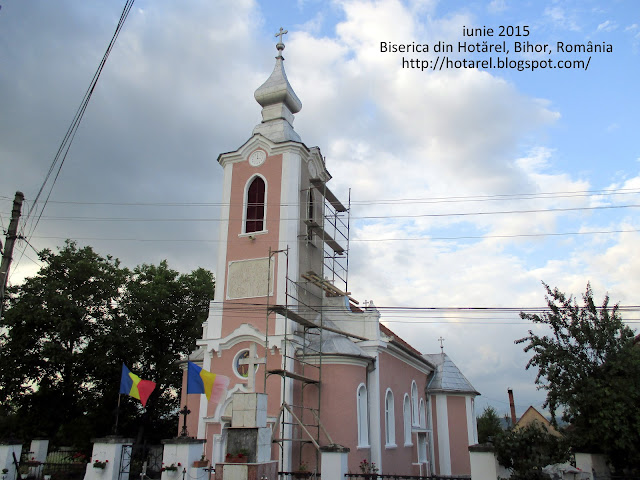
[489, 425]
[590, 367]
[67, 331]
[527, 450]
[165, 311]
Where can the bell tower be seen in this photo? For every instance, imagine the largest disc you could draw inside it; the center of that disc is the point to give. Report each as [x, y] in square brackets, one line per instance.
[273, 251]
[269, 204]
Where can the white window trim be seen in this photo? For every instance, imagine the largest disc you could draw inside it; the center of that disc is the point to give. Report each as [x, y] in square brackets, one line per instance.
[423, 414]
[245, 201]
[389, 421]
[362, 417]
[415, 412]
[406, 421]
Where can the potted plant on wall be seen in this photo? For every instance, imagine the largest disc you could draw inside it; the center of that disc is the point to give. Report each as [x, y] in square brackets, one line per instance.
[241, 456]
[202, 463]
[100, 465]
[171, 468]
[302, 472]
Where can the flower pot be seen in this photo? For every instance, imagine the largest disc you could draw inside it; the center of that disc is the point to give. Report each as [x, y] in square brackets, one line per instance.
[236, 459]
[201, 464]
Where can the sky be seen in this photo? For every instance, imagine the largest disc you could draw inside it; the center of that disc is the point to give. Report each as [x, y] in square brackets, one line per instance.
[469, 185]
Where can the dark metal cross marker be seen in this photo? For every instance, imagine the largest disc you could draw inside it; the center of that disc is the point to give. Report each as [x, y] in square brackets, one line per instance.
[184, 412]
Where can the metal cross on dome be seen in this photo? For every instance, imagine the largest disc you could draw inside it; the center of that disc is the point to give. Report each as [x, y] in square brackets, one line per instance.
[281, 33]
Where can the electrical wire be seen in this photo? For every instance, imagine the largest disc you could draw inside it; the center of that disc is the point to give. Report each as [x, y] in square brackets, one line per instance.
[67, 141]
[454, 199]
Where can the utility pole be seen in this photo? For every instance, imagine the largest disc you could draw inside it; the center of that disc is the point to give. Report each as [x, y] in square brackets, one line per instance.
[7, 254]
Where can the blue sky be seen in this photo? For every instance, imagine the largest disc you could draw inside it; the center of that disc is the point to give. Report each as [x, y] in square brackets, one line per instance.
[451, 148]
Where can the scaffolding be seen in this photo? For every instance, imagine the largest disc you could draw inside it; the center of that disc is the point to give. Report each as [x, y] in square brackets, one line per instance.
[304, 322]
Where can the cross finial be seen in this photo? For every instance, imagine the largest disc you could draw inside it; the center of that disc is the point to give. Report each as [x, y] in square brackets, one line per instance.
[280, 45]
[441, 340]
[281, 33]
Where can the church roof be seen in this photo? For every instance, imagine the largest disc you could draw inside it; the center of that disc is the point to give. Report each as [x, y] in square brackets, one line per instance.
[336, 344]
[447, 377]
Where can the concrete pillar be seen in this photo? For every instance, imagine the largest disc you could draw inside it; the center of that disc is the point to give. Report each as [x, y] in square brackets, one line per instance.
[334, 461]
[108, 453]
[8, 452]
[38, 453]
[248, 433]
[179, 455]
[484, 464]
[39, 449]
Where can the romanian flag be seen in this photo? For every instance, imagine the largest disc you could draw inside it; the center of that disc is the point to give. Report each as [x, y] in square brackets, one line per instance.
[201, 381]
[132, 385]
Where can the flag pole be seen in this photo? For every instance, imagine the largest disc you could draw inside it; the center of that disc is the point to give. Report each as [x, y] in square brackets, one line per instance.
[115, 428]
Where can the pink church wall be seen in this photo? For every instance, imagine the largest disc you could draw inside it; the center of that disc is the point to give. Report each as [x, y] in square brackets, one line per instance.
[240, 248]
[458, 435]
[397, 375]
[338, 410]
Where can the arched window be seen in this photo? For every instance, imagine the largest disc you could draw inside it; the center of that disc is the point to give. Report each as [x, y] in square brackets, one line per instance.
[406, 416]
[389, 420]
[423, 414]
[415, 416]
[254, 214]
[363, 416]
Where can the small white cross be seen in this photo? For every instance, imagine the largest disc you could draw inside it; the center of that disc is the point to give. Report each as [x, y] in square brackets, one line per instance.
[252, 363]
[441, 340]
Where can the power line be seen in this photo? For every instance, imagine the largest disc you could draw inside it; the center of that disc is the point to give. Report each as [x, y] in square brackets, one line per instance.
[454, 199]
[352, 217]
[65, 145]
[352, 240]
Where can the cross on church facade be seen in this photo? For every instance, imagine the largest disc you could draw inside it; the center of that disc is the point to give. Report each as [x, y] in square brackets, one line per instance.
[252, 363]
[441, 340]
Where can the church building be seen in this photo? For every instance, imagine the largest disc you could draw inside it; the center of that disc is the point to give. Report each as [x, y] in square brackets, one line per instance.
[284, 323]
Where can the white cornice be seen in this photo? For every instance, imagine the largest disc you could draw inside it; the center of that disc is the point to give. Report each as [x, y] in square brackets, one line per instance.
[260, 141]
[328, 359]
[244, 333]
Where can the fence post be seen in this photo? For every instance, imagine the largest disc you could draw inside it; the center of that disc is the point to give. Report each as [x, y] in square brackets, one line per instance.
[334, 462]
[38, 453]
[108, 453]
[484, 465]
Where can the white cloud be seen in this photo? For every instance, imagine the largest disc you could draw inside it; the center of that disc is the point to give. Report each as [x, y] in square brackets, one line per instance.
[177, 91]
[561, 19]
[497, 6]
[607, 26]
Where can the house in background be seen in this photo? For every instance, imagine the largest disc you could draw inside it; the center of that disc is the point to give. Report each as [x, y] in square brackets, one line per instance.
[283, 322]
[534, 416]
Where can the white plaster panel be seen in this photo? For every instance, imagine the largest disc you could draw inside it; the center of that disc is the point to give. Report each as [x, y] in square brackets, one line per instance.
[248, 279]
